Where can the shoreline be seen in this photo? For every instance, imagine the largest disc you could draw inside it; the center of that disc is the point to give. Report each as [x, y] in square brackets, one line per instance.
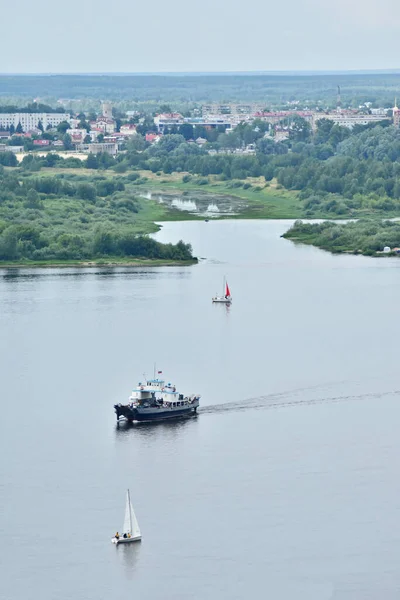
[100, 263]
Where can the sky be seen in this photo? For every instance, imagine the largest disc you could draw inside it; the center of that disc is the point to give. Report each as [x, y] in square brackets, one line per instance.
[88, 36]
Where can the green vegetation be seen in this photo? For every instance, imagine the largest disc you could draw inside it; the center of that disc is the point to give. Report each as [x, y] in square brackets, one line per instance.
[67, 209]
[366, 236]
[311, 88]
[78, 218]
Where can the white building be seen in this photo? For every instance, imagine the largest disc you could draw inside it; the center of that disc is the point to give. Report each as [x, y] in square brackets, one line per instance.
[103, 125]
[349, 120]
[30, 121]
[96, 148]
[77, 135]
[128, 129]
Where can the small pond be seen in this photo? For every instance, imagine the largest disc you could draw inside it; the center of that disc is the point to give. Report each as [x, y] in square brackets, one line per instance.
[200, 203]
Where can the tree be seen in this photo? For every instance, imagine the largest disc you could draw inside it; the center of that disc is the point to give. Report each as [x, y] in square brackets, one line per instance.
[167, 143]
[67, 141]
[33, 199]
[100, 137]
[19, 128]
[87, 139]
[63, 126]
[12, 129]
[86, 191]
[84, 125]
[8, 244]
[266, 145]
[299, 130]
[187, 131]
[103, 242]
[40, 126]
[92, 161]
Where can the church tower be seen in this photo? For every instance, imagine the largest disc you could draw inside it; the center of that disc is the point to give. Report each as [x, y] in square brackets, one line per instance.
[107, 110]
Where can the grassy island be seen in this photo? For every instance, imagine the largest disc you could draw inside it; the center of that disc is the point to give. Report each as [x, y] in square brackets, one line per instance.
[62, 219]
[368, 237]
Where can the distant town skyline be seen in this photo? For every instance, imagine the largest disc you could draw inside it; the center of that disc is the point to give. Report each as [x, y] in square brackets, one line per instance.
[97, 37]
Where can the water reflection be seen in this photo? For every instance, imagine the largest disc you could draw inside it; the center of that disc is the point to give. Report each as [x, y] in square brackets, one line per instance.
[34, 273]
[198, 202]
[174, 427]
[130, 557]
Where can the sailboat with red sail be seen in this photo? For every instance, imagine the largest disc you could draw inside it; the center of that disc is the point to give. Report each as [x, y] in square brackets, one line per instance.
[226, 297]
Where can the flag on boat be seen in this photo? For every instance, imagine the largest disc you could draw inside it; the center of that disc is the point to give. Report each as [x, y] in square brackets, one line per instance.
[227, 293]
[159, 372]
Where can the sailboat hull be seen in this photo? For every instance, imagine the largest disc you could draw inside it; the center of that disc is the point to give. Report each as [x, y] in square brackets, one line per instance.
[123, 540]
[222, 300]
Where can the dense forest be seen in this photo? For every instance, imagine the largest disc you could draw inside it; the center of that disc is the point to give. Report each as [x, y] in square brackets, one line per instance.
[356, 88]
[361, 237]
[75, 218]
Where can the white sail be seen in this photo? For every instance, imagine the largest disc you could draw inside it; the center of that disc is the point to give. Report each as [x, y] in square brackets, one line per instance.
[135, 525]
[127, 528]
[131, 525]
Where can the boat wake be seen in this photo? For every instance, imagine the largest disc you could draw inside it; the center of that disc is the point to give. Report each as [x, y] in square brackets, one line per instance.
[287, 399]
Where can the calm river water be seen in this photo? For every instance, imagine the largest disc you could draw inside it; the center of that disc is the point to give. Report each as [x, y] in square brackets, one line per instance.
[286, 486]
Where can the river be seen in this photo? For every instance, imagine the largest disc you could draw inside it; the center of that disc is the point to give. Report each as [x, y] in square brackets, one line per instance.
[286, 484]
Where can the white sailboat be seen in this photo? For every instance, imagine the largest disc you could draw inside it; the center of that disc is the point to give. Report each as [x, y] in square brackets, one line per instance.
[130, 530]
[226, 297]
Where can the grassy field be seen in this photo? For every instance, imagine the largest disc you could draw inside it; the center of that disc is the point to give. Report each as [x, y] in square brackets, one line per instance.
[261, 201]
[266, 203]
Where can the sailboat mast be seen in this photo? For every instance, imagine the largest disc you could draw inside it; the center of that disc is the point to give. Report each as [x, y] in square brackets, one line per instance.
[130, 512]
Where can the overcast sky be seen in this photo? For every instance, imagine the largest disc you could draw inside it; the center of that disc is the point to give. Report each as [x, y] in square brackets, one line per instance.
[182, 35]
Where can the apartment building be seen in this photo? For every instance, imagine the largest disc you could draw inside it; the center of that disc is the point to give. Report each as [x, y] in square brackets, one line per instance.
[30, 121]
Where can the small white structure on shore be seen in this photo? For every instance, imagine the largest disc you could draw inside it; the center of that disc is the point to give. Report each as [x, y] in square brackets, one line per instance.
[387, 249]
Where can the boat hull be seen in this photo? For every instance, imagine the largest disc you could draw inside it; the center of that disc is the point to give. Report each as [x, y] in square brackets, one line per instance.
[133, 414]
[123, 540]
[221, 301]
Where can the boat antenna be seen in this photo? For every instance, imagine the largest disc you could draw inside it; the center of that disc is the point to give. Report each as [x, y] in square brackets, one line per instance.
[154, 371]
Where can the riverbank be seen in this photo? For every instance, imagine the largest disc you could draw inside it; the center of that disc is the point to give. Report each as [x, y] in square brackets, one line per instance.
[366, 236]
[117, 262]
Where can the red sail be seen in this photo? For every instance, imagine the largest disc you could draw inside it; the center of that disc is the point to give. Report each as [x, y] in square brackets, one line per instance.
[227, 293]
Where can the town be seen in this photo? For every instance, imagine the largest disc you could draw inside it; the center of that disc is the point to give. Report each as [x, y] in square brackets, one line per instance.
[41, 128]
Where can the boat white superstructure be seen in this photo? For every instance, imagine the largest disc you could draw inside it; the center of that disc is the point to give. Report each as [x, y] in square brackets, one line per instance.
[155, 400]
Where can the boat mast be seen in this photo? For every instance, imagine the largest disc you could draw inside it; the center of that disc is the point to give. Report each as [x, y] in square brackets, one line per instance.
[130, 513]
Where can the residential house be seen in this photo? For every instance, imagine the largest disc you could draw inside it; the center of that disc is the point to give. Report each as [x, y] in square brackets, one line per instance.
[128, 129]
[152, 137]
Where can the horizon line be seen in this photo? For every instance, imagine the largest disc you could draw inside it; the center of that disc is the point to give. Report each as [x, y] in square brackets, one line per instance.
[299, 72]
